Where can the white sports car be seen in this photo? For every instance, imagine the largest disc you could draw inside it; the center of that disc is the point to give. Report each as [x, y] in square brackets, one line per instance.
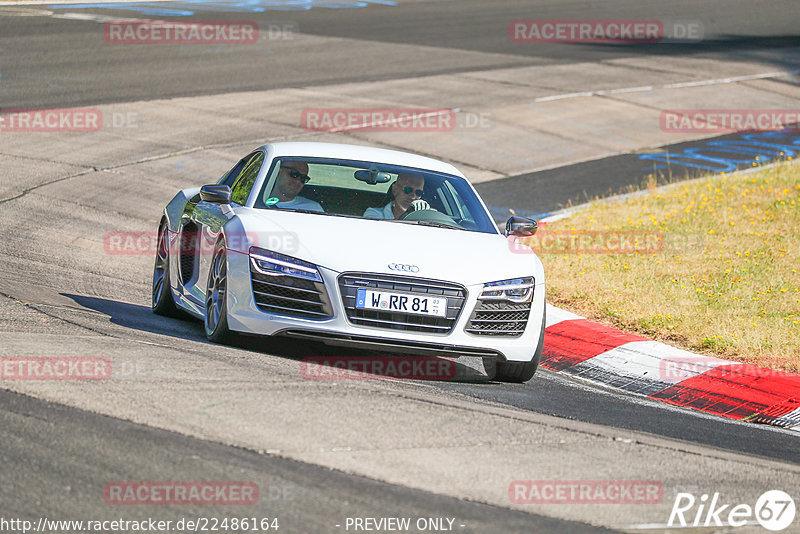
[353, 246]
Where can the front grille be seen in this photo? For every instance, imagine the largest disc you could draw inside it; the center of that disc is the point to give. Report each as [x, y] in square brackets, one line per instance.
[499, 318]
[350, 283]
[289, 295]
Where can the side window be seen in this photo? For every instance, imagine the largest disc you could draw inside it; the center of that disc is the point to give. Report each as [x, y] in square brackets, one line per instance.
[247, 179]
[230, 177]
[456, 206]
[269, 184]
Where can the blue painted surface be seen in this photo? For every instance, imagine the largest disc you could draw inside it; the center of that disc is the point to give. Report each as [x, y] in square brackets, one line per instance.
[187, 8]
[732, 154]
[713, 156]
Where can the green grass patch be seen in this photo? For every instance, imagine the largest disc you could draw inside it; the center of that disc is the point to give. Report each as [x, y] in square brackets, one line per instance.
[724, 281]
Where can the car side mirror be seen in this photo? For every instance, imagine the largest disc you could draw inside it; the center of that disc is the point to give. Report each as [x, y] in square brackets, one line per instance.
[521, 227]
[216, 194]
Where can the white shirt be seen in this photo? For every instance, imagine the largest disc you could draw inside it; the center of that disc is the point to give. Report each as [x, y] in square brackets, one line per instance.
[301, 203]
[380, 213]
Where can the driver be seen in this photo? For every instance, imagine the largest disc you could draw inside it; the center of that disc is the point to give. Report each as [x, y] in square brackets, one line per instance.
[404, 192]
[292, 177]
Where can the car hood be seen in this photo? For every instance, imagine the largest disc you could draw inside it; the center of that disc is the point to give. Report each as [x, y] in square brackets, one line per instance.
[350, 244]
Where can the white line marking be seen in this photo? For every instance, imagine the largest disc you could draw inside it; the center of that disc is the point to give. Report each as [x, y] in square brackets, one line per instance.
[732, 79]
[646, 88]
[102, 19]
[627, 90]
[561, 97]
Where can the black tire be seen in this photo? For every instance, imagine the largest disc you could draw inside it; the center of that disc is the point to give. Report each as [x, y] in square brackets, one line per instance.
[216, 317]
[521, 371]
[162, 302]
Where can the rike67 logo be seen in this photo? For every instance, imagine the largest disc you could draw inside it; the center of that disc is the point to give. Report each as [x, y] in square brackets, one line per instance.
[774, 510]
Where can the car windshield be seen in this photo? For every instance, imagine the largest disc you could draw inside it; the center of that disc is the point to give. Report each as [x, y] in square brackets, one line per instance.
[378, 191]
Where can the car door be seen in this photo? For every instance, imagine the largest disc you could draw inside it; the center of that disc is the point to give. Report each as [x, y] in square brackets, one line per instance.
[208, 218]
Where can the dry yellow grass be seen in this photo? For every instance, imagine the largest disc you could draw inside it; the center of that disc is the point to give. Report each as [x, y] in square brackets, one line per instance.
[726, 281]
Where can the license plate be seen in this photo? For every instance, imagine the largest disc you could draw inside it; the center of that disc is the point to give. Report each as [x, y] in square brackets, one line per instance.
[400, 302]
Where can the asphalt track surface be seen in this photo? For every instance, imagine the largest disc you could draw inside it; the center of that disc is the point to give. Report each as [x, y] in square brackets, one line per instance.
[537, 194]
[102, 449]
[54, 62]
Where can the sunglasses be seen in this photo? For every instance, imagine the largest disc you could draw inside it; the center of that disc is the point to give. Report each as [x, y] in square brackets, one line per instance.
[408, 189]
[297, 175]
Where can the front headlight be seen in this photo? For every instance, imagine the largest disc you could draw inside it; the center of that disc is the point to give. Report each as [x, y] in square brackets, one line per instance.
[517, 290]
[275, 264]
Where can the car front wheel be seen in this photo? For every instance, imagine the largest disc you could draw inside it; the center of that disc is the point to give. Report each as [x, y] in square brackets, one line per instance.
[216, 320]
[162, 301]
[521, 371]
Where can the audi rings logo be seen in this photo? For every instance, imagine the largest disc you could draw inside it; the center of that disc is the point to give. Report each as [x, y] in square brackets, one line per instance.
[403, 267]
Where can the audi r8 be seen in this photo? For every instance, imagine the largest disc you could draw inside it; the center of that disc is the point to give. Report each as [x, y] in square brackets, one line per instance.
[311, 241]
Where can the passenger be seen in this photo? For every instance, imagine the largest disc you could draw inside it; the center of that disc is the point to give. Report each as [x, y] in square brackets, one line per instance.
[404, 192]
[292, 177]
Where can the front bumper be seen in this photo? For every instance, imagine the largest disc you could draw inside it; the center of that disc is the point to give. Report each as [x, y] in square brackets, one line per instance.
[244, 316]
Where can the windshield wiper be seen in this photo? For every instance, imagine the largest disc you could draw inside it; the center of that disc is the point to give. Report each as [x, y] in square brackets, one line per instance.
[295, 210]
[440, 225]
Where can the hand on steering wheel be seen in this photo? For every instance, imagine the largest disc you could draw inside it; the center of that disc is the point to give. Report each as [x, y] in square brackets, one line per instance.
[416, 205]
[419, 205]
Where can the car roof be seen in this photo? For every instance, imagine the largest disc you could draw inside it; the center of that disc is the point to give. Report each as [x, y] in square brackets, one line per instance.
[359, 153]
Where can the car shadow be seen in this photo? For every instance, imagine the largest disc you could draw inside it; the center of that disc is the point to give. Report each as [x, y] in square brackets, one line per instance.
[137, 317]
[318, 361]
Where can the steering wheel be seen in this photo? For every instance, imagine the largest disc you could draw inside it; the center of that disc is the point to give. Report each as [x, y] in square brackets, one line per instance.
[408, 212]
[429, 215]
